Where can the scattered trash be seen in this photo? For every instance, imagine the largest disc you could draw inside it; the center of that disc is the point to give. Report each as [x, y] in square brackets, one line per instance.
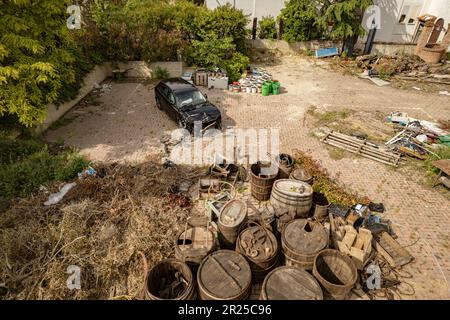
[376, 207]
[87, 173]
[327, 52]
[54, 198]
[444, 93]
[417, 88]
[102, 89]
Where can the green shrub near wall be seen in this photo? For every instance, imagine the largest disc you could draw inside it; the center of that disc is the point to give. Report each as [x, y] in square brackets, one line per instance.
[26, 165]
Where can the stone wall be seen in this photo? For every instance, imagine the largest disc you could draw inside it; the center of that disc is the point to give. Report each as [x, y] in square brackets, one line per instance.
[97, 75]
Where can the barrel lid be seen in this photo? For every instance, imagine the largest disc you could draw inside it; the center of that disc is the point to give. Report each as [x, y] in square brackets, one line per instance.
[293, 188]
[224, 274]
[196, 238]
[258, 243]
[233, 213]
[301, 175]
[289, 283]
[305, 237]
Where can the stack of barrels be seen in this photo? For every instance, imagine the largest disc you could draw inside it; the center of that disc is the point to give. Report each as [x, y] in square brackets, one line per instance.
[250, 251]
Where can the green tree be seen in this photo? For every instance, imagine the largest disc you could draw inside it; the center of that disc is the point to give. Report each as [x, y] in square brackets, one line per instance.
[345, 16]
[267, 28]
[40, 62]
[300, 20]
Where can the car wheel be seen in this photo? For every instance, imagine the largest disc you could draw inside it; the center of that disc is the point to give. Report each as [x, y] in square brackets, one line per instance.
[158, 104]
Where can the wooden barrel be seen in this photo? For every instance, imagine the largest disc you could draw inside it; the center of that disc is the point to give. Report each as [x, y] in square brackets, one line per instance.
[232, 216]
[285, 164]
[224, 275]
[293, 196]
[170, 279]
[289, 283]
[336, 272]
[320, 206]
[260, 247]
[301, 241]
[261, 185]
[193, 245]
[301, 174]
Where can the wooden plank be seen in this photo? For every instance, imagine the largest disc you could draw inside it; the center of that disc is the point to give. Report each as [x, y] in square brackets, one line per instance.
[391, 250]
[363, 154]
[367, 149]
[361, 148]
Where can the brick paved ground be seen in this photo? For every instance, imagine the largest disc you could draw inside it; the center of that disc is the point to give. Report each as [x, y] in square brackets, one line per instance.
[420, 215]
[127, 127]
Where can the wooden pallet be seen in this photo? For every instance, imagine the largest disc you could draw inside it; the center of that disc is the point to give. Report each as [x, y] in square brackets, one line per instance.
[391, 250]
[363, 148]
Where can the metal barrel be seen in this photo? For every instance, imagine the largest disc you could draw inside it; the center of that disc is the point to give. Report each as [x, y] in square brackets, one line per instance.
[336, 272]
[301, 174]
[170, 279]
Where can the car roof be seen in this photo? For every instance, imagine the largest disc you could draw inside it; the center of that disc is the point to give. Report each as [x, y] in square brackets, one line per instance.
[178, 84]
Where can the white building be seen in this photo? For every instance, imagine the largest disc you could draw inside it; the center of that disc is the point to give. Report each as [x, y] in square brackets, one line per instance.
[399, 18]
[252, 8]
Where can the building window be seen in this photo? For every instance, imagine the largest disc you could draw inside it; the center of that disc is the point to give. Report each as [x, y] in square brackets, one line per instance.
[410, 12]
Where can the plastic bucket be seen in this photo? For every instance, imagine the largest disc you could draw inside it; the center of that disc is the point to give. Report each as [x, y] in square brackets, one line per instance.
[276, 87]
[265, 89]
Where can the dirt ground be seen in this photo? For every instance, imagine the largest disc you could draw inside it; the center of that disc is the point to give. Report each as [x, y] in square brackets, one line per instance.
[124, 125]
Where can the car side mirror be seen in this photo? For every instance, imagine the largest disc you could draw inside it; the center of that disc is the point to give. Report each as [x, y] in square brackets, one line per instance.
[206, 96]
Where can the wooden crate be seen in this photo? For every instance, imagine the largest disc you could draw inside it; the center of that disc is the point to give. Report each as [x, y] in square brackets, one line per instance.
[201, 78]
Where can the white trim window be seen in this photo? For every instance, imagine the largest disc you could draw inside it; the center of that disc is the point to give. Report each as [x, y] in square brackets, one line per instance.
[410, 12]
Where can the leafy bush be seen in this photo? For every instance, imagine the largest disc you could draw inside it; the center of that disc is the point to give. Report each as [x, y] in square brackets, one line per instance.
[161, 73]
[15, 150]
[300, 20]
[211, 52]
[23, 177]
[236, 65]
[267, 28]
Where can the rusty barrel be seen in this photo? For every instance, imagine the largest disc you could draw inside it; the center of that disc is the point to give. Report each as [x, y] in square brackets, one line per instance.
[336, 272]
[170, 279]
[293, 196]
[193, 245]
[231, 217]
[285, 164]
[261, 183]
[301, 241]
[320, 206]
[224, 275]
[260, 247]
[301, 174]
[289, 283]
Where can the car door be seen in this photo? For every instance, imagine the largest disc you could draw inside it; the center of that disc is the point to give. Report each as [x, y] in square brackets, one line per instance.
[172, 106]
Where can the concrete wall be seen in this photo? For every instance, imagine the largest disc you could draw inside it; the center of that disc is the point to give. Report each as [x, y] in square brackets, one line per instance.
[97, 75]
[292, 48]
[252, 8]
[141, 69]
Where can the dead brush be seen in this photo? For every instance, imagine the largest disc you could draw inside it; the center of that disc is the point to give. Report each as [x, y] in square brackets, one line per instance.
[99, 229]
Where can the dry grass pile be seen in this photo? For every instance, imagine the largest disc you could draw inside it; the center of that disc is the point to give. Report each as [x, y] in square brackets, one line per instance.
[100, 226]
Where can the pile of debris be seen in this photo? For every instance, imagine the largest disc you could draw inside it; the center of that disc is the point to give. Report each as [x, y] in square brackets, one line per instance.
[99, 225]
[229, 217]
[415, 137]
[399, 66]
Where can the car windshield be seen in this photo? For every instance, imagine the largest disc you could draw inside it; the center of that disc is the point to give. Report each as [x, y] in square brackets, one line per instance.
[189, 98]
